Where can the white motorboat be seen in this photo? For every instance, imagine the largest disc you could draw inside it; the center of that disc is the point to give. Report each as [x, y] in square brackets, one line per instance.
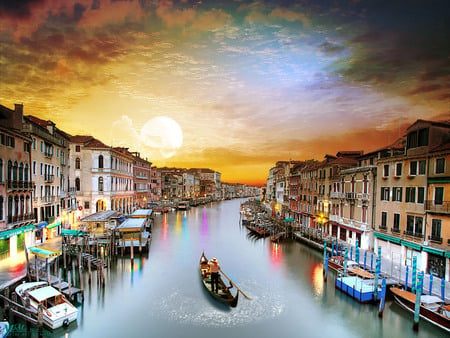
[56, 309]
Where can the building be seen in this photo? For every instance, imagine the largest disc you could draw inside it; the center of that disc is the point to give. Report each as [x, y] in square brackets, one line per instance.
[16, 186]
[49, 154]
[141, 180]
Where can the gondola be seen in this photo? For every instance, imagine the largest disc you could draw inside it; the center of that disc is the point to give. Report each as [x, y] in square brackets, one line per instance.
[223, 295]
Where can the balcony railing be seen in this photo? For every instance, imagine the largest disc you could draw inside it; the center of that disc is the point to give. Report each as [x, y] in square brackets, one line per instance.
[335, 194]
[435, 239]
[20, 218]
[49, 178]
[443, 207]
[350, 195]
[19, 185]
[413, 234]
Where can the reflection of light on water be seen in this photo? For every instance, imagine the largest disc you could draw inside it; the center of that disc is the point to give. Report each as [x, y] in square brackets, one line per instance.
[164, 227]
[317, 279]
[276, 254]
[178, 223]
[183, 309]
[204, 223]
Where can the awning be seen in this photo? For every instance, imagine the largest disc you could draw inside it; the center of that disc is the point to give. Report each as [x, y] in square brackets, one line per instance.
[13, 232]
[414, 246]
[54, 225]
[434, 250]
[44, 252]
[387, 238]
[288, 220]
[41, 225]
[70, 232]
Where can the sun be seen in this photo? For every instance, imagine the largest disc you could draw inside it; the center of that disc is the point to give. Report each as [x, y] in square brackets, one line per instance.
[162, 133]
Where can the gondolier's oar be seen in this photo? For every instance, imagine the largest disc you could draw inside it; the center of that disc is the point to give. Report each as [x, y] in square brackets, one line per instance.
[239, 290]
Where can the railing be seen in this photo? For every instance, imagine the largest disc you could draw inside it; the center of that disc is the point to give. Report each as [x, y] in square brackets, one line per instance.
[19, 185]
[443, 207]
[20, 218]
[383, 227]
[435, 239]
[49, 178]
[350, 195]
[395, 230]
[335, 194]
[48, 155]
[413, 234]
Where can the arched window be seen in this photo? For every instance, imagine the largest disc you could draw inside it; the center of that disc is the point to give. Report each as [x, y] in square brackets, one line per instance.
[77, 163]
[1, 171]
[25, 172]
[9, 175]
[10, 207]
[77, 184]
[100, 161]
[100, 184]
[14, 172]
[1, 208]
[20, 171]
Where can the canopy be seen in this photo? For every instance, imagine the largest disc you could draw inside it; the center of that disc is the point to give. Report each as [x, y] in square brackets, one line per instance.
[70, 232]
[44, 252]
[44, 293]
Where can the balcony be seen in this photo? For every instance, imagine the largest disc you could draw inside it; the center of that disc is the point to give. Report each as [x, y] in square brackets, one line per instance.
[395, 230]
[48, 199]
[413, 234]
[443, 207]
[335, 194]
[20, 218]
[48, 155]
[19, 185]
[435, 239]
[350, 195]
[49, 178]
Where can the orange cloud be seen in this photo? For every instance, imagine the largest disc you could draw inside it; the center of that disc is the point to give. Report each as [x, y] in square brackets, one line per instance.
[177, 17]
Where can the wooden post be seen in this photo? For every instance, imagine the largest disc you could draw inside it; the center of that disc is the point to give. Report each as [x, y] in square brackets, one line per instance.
[80, 271]
[28, 262]
[325, 275]
[140, 242]
[64, 250]
[70, 286]
[59, 280]
[48, 271]
[36, 268]
[132, 252]
[40, 316]
[89, 271]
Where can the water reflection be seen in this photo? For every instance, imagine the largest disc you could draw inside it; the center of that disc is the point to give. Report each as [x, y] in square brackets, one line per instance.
[317, 279]
[276, 254]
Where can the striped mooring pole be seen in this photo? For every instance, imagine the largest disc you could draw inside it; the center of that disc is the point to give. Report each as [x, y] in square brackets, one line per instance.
[345, 261]
[417, 304]
[357, 252]
[406, 278]
[414, 275]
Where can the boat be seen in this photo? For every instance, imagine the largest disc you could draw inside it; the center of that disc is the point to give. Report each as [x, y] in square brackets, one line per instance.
[359, 285]
[183, 205]
[4, 329]
[57, 310]
[432, 308]
[223, 295]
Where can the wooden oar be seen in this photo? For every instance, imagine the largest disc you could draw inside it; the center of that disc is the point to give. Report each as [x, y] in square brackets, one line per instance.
[239, 290]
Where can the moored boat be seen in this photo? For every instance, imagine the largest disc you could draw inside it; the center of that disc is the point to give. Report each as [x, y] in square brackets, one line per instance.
[4, 329]
[223, 295]
[57, 311]
[432, 308]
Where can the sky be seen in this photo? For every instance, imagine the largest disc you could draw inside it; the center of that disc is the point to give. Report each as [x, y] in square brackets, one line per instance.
[229, 85]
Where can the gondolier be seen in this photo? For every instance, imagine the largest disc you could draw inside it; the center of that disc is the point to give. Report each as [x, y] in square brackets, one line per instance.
[214, 268]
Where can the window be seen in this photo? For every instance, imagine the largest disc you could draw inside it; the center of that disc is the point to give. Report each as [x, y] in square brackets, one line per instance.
[34, 167]
[440, 166]
[77, 148]
[386, 170]
[420, 195]
[410, 195]
[364, 214]
[398, 169]
[414, 226]
[365, 185]
[413, 168]
[422, 138]
[26, 147]
[42, 146]
[77, 184]
[385, 193]
[34, 144]
[422, 167]
[397, 194]
[383, 220]
[100, 184]
[77, 163]
[436, 225]
[100, 161]
[86, 205]
[396, 225]
[411, 140]
[438, 195]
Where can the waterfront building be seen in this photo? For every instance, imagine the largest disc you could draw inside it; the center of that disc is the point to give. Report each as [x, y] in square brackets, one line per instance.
[412, 216]
[156, 190]
[16, 186]
[141, 180]
[102, 176]
[209, 182]
[49, 153]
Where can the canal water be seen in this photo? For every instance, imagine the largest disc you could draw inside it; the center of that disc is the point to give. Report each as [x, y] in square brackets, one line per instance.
[161, 294]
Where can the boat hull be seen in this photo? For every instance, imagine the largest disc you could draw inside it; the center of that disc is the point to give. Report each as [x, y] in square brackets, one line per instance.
[358, 288]
[428, 315]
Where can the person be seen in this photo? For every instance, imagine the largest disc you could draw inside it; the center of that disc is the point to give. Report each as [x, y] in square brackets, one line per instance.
[214, 268]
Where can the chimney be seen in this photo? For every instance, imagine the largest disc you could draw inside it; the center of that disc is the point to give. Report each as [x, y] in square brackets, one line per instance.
[17, 116]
